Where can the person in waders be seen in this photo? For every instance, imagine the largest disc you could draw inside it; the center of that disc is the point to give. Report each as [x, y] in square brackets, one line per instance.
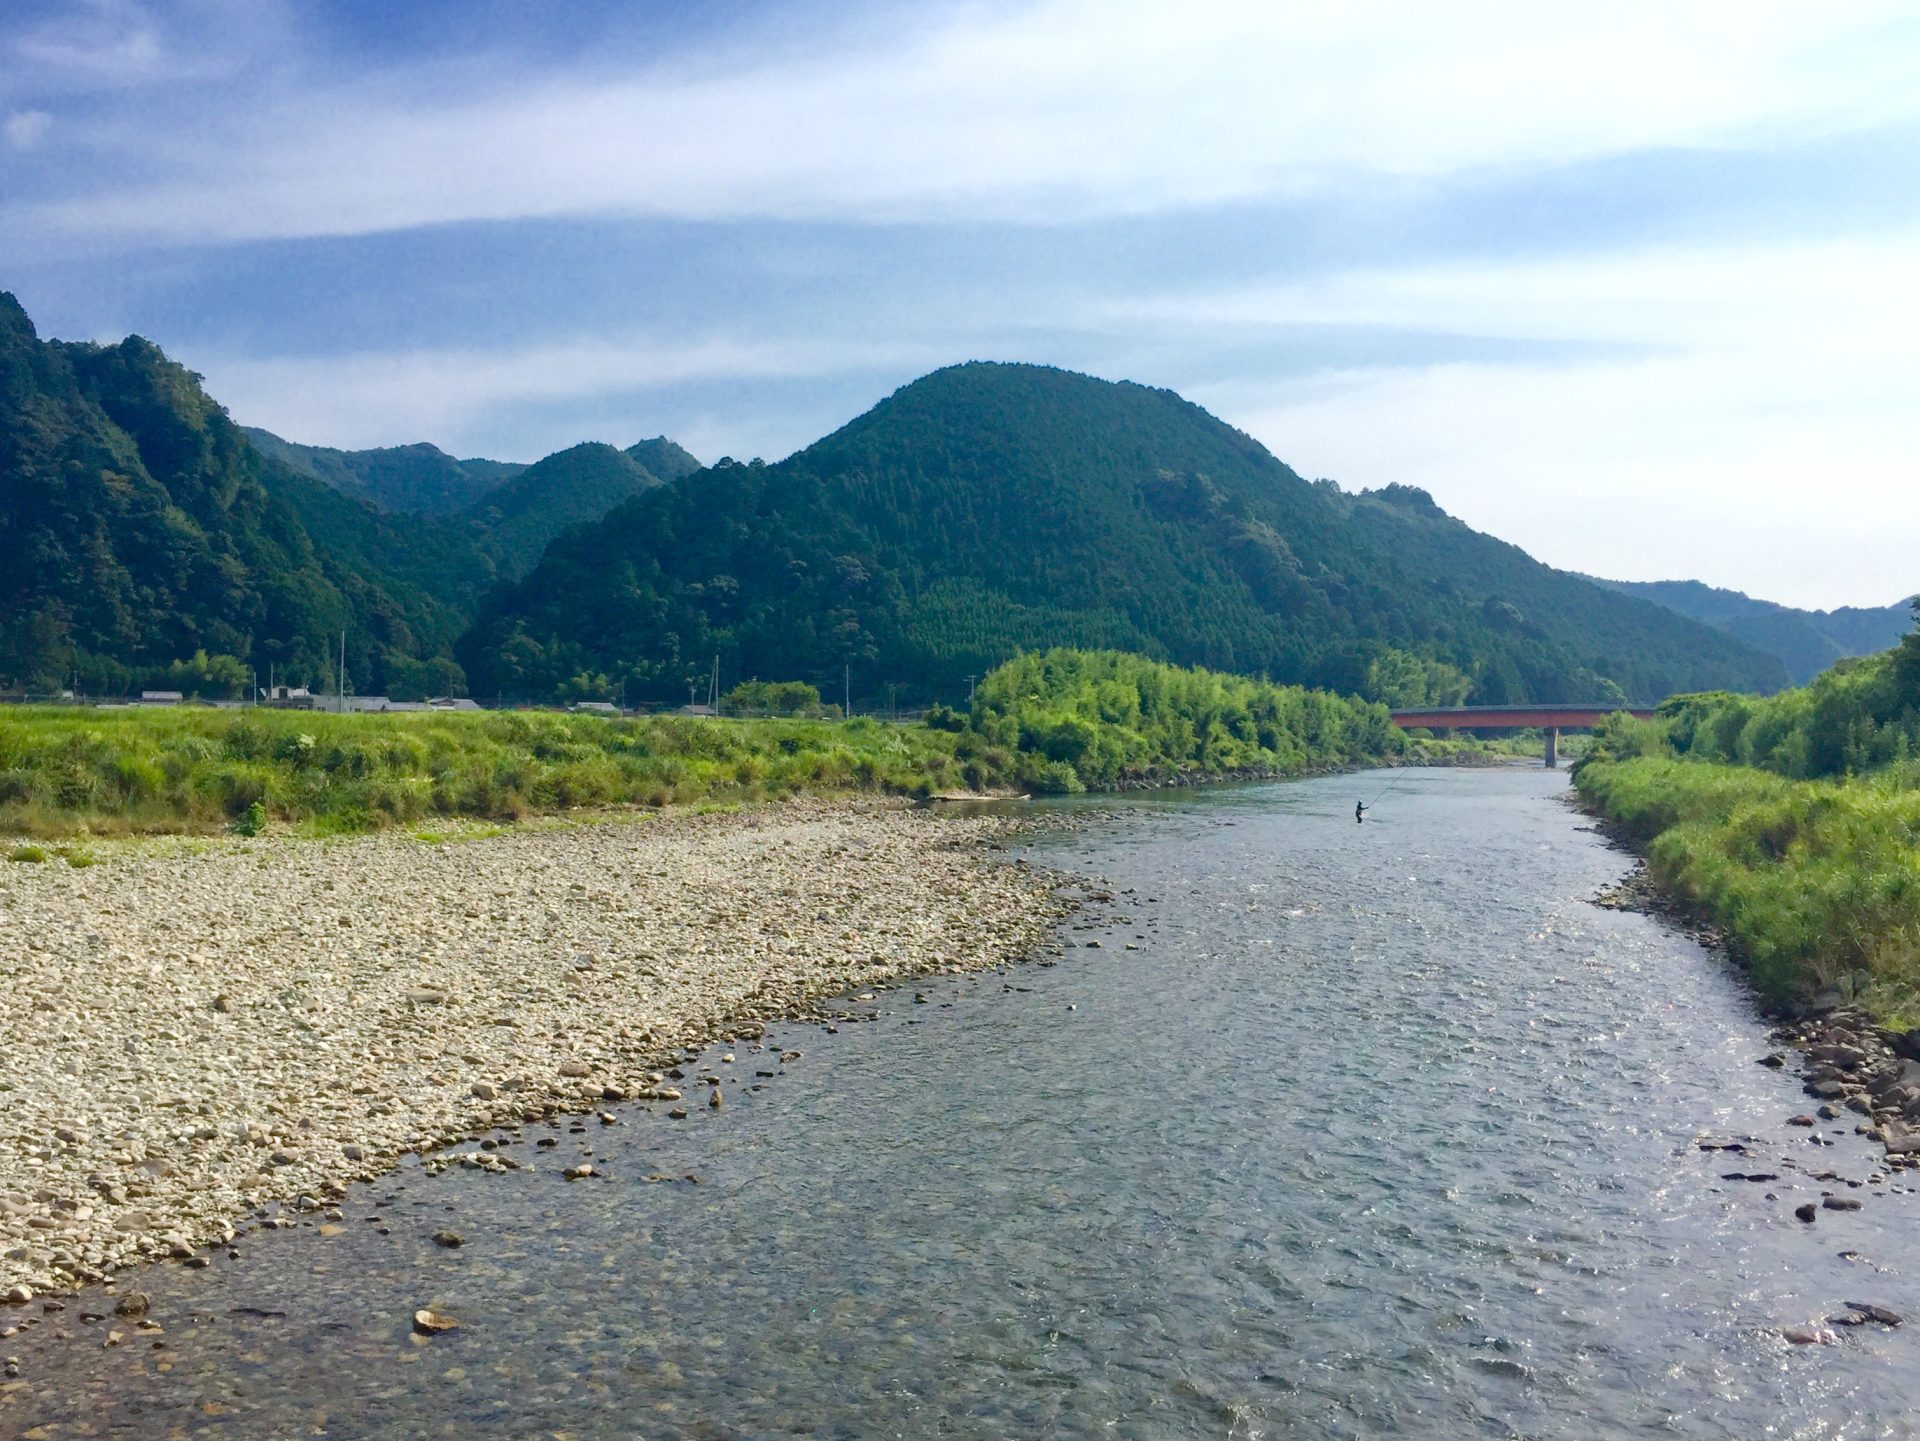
[1359, 812]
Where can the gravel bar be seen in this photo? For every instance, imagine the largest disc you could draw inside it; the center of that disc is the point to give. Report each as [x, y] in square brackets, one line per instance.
[191, 1031]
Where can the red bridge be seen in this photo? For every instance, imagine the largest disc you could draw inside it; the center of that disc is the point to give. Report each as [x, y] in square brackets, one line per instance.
[1549, 718]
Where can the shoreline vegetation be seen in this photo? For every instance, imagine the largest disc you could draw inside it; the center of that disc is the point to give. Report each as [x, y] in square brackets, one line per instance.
[1061, 722]
[1789, 822]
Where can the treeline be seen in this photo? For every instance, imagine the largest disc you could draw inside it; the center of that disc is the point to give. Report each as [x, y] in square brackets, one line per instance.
[1790, 822]
[1061, 722]
[1097, 719]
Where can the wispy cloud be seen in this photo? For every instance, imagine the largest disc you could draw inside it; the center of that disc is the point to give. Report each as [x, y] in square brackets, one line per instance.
[1767, 401]
[380, 398]
[1062, 109]
[25, 129]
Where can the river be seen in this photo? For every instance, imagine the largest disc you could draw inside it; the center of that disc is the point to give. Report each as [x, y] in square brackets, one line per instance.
[1380, 1130]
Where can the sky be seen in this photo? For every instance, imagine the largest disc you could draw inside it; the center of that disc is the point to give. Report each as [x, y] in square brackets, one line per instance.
[1635, 287]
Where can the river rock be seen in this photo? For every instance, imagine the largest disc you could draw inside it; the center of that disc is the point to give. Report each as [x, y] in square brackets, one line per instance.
[429, 1322]
[134, 1303]
[1876, 1313]
[452, 1240]
[1808, 1212]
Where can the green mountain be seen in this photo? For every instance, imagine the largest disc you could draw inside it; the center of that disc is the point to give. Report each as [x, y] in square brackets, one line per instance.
[515, 520]
[989, 509]
[663, 458]
[507, 512]
[1806, 641]
[140, 530]
[419, 479]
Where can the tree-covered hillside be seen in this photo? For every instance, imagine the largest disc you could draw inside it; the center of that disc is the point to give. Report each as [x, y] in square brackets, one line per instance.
[987, 510]
[666, 459]
[417, 479]
[1807, 641]
[137, 530]
[516, 520]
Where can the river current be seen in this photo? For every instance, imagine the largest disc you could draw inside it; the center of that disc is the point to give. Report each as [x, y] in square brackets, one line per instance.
[1376, 1130]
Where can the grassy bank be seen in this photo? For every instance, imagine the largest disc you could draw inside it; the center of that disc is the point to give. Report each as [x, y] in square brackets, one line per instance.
[1067, 721]
[1789, 822]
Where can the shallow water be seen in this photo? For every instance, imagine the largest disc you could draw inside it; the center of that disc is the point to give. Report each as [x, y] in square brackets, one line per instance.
[1382, 1130]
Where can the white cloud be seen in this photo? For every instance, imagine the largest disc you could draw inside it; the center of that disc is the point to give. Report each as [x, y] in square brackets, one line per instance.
[447, 396]
[25, 129]
[1763, 439]
[1063, 108]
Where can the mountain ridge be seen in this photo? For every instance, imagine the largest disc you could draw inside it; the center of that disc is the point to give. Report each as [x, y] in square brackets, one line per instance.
[1806, 641]
[987, 508]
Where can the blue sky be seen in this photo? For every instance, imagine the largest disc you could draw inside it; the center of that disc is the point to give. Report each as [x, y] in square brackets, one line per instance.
[1634, 289]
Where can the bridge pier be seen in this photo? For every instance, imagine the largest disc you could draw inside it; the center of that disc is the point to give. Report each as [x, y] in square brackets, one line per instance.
[1553, 747]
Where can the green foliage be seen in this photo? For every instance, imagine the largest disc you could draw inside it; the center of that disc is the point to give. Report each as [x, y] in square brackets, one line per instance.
[30, 854]
[1815, 882]
[1080, 719]
[1057, 723]
[774, 698]
[990, 510]
[519, 517]
[138, 526]
[1861, 715]
[418, 479]
[1790, 821]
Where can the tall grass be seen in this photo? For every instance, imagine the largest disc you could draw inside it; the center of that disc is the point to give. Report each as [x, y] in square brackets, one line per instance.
[1815, 882]
[1062, 722]
[65, 770]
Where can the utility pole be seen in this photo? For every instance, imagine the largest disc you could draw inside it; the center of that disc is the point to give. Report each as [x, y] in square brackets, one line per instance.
[893, 700]
[846, 693]
[970, 680]
[713, 690]
[341, 678]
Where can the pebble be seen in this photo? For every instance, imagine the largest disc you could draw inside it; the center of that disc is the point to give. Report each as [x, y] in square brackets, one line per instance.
[315, 1066]
[429, 1322]
[449, 1239]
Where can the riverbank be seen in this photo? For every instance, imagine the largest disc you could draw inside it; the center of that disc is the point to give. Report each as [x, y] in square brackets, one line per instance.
[1852, 1064]
[198, 1029]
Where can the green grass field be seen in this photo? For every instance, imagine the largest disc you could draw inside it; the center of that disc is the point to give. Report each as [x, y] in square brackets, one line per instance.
[1815, 882]
[1062, 722]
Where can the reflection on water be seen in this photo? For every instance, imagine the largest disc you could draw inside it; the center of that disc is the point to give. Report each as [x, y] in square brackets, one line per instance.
[1381, 1130]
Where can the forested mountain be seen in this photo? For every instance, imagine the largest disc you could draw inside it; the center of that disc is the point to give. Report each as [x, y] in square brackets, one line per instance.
[507, 512]
[516, 520]
[989, 509]
[138, 530]
[1806, 641]
[420, 479]
[146, 540]
[663, 458]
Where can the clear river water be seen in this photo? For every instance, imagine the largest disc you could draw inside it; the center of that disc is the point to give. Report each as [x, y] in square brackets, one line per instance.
[1380, 1130]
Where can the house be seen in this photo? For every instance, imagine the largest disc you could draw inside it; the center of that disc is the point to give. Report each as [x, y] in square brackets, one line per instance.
[292, 697]
[161, 697]
[447, 702]
[697, 710]
[595, 707]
